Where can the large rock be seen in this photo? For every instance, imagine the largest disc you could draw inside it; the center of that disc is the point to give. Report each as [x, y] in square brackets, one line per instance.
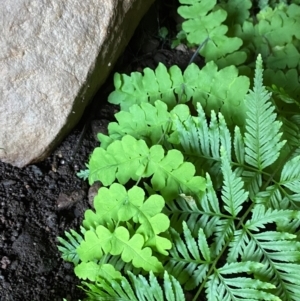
[54, 56]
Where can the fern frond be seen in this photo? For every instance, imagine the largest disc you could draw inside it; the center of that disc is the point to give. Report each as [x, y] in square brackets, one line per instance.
[280, 254]
[132, 159]
[253, 181]
[144, 121]
[69, 248]
[201, 212]
[237, 11]
[290, 175]
[136, 289]
[273, 198]
[219, 287]
[262, 137]
[223, 233]
[275, 250]
[189, 260]
[194, 84]
[114, 205]
[262, 216]
[131, 249]
[273, 35]
[154, 85]
[289, 88]
[93, 271]
[239, 146]
[201, 141]
[233, 194]
[201, 23]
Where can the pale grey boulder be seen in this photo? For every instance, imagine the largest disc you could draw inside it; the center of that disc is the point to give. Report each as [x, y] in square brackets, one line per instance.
[54, 56]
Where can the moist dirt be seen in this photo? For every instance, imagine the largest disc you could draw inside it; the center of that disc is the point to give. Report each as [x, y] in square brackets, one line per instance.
[41, 201]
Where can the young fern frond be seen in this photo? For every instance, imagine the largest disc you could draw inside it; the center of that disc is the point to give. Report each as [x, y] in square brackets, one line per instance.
[126, 205]
[119, 243]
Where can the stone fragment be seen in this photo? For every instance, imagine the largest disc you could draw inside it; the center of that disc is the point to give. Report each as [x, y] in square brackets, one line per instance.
[54, 57]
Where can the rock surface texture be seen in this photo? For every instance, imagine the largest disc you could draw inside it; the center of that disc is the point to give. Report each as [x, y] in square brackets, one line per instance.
[54, 57]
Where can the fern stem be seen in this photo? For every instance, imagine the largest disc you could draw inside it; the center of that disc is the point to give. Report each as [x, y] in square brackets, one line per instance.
[198, 50]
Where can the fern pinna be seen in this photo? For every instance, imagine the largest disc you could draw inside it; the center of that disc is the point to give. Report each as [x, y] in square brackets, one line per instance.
[213, 209]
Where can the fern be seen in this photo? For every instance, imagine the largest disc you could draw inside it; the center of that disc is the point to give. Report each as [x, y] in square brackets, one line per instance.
[236, 38]
[262, 140]
[174, 88]
[68, 248]
[132, 159]
[190, 261]
[206, 203]
[130, 290]
[203, 22]
[126, 205]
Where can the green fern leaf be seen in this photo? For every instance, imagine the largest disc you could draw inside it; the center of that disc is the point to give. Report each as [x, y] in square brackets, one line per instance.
[186, 263]
[237, 11]
[223, 232]
[197, 213]
[144, 121]
[279, 253]
[261, 216]
[97, 243]
[194, 84]
[132, 159]
[152, 86]
[117, 204]
[233, 194]
[288, 81]
[273, 35]
[225, 97]
[262, 137]
[273, 198]
[201, 141]
[136, 289]
[201, 23]
[172, 288]
[68, 248]
[92, 271]
[219, 287]
[239, 146]
[253, 181]
[290, 175]
[121, 160]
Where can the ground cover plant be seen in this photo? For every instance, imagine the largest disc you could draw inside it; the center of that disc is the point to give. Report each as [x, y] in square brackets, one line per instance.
[200, 172]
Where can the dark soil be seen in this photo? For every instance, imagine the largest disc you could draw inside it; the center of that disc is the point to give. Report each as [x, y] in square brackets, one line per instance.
[39, 202]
